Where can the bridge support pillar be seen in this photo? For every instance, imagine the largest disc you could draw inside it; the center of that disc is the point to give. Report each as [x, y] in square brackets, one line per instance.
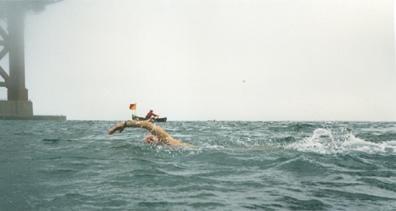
[12, 42]
[17, 104]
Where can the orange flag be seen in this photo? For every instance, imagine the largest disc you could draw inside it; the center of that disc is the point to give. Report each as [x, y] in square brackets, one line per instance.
[132, 107]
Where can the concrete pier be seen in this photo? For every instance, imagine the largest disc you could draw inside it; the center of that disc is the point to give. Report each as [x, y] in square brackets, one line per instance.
[23, 110]
[16, 108]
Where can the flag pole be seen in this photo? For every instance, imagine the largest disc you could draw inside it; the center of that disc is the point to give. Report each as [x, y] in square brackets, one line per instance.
[133, 108]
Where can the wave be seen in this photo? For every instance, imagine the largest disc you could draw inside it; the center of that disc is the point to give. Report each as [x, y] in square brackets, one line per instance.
[324, 141]
[378, 136]
[54, 140]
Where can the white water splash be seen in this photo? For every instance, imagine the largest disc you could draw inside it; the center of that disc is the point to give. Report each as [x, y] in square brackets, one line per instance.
[324, 142]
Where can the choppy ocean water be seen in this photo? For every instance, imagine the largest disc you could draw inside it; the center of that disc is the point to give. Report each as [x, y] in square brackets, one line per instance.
[75, 165]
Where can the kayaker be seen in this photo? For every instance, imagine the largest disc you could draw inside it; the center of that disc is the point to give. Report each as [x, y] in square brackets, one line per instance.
[151, 115]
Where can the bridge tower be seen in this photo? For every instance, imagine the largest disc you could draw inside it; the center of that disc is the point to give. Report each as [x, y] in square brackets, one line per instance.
[12, 43]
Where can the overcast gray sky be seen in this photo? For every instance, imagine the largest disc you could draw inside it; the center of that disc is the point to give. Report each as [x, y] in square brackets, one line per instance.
[214, 59]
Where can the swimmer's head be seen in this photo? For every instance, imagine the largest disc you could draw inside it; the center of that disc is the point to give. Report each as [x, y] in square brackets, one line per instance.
[150, 139]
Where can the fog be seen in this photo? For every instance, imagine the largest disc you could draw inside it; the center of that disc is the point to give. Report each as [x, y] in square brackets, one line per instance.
[213, 59]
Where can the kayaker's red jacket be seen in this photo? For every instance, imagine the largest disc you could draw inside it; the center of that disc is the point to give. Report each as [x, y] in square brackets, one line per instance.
[150, 114]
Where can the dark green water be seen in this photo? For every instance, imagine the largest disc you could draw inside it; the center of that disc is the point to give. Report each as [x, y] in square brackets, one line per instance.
[235, 166]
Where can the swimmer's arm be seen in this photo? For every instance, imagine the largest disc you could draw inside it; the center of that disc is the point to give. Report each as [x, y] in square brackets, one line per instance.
[157, 131]
[119, 127]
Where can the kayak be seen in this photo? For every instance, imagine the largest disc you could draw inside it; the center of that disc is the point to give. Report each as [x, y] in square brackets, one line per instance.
[162, 119]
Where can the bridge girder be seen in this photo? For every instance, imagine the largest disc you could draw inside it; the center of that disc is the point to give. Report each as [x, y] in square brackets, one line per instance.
[4, 74]
[3, 33]
[3, 53]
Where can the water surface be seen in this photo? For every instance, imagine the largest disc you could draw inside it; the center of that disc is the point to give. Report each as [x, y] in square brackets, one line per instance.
[75, 165]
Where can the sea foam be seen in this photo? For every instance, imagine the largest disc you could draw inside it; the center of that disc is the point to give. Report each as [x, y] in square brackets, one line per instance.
[324, 141]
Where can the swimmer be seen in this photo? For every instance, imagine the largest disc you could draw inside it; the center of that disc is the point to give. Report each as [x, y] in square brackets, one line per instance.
[158, 135]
